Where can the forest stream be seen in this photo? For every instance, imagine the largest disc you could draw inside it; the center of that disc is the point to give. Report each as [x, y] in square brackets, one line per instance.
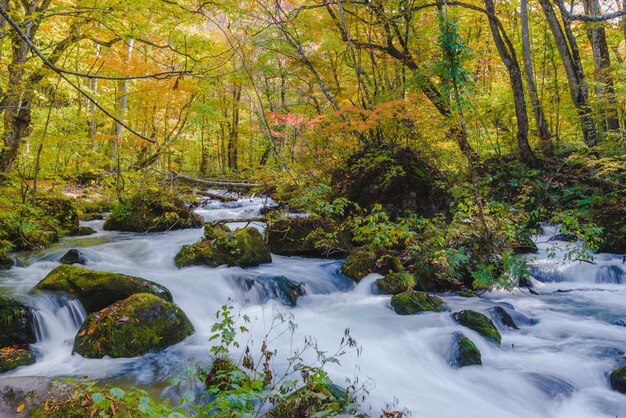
[555, 365]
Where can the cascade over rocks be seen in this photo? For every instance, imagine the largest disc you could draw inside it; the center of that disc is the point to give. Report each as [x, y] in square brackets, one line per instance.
[480, 323]
[275, 287]
[98, 289]
[399, 179]
[243, 247]
[132, 327]
[152, 212]
[412, 302]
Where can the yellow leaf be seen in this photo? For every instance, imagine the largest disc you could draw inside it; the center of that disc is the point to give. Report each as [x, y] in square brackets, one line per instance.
[20, 408]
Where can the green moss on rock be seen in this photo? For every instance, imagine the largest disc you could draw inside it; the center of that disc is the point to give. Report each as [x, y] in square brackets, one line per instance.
[480, 323]
[394, 283]
[362, 261]
[151, 212]
[132, 327]
[244, 248]
[411, 302]
[503, 317]
[307, 236]
[288, 290]
[84, 231]
[14, 357]
[317, 400]
[15, 323]
[618, 379]
[97, 289]
[466, 352]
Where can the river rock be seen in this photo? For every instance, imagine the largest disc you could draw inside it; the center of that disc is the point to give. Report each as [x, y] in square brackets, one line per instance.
[362, 261]
[73, 256]
[98, 289]
[16, 327]
[503, 317]
[14, 357]
[84, 231]
[287, 290]
[465, 352]
[300, 235]
[618, 379]
[411, 302]
[132, 327]
[394, 283]
[478, 322]
[152, 212]
[243, 247]
[30, 391]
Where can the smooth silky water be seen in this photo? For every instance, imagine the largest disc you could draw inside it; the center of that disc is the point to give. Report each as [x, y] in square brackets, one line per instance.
[571, 335]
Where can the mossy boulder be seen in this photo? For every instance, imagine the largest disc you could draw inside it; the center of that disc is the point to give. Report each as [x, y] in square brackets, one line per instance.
[362, 261]
[243, 247]
[394, 283]
[480, 323]
[287, 290]
[618, 379]
[98, 289]
[503, 317]
[73, 256]
[63, 210]
[16, 326]
[152, 212]
[411, 302]
[324, 400]
[311, 236]
[132, 327]
[224, 374]
[84, 231]
[14, 357]
[465, 352]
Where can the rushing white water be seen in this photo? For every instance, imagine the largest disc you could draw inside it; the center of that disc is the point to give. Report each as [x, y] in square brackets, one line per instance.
[571, 335]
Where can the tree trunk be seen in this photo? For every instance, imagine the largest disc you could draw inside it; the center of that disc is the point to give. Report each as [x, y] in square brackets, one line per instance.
[233, 137]
[515, 76]
[540, 118]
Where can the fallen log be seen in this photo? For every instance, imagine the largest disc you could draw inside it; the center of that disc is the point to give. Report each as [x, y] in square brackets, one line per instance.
[216, 196]
[240, 220]
[214, 183]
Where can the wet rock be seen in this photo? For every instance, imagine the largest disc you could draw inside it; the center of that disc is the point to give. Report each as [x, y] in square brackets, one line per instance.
[362, 261]
[618, 379]
[465, 352]
[394, 283]
[307, 236]
[478, 322]
[16, 326]
[274, 287]
[30, 391]
[152, 212]
[84, 231]
[14, 357]
[411, 302]
[73, 256]
[503, 317]
[564, 237]
[132, 327]
[98, 289]
[243, 247]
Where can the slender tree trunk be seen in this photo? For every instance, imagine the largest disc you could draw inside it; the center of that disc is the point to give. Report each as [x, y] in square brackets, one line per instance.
[233, 137]
[515, 76]
[119, 129]
[540, 118]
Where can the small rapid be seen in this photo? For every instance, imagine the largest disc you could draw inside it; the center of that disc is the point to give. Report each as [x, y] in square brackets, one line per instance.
[571, 334]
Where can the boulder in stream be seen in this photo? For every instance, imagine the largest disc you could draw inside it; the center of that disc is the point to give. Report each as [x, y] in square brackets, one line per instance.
[73, 256]
[363, 261]
[98, 289]
[14, 357]
[394, 283]
[84, 231]
[465, 352]
[480, 323]
[412, 302]
[242, 247]
[132, 327]
[151, 212]
[503, 317]
[618, 379]
[16, 326]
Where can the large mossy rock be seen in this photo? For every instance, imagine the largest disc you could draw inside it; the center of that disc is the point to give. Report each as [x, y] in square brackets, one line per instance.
[480, 323]
[411, 302]
[98, 289]
[363, 261]
[152, 212]
[307, 236]
[16, 323]
[132, 327]
[317, 400]
[394, 283]
[243, 247]
[465, 352]
[399, 179]
[14, 357]
[618, 379]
